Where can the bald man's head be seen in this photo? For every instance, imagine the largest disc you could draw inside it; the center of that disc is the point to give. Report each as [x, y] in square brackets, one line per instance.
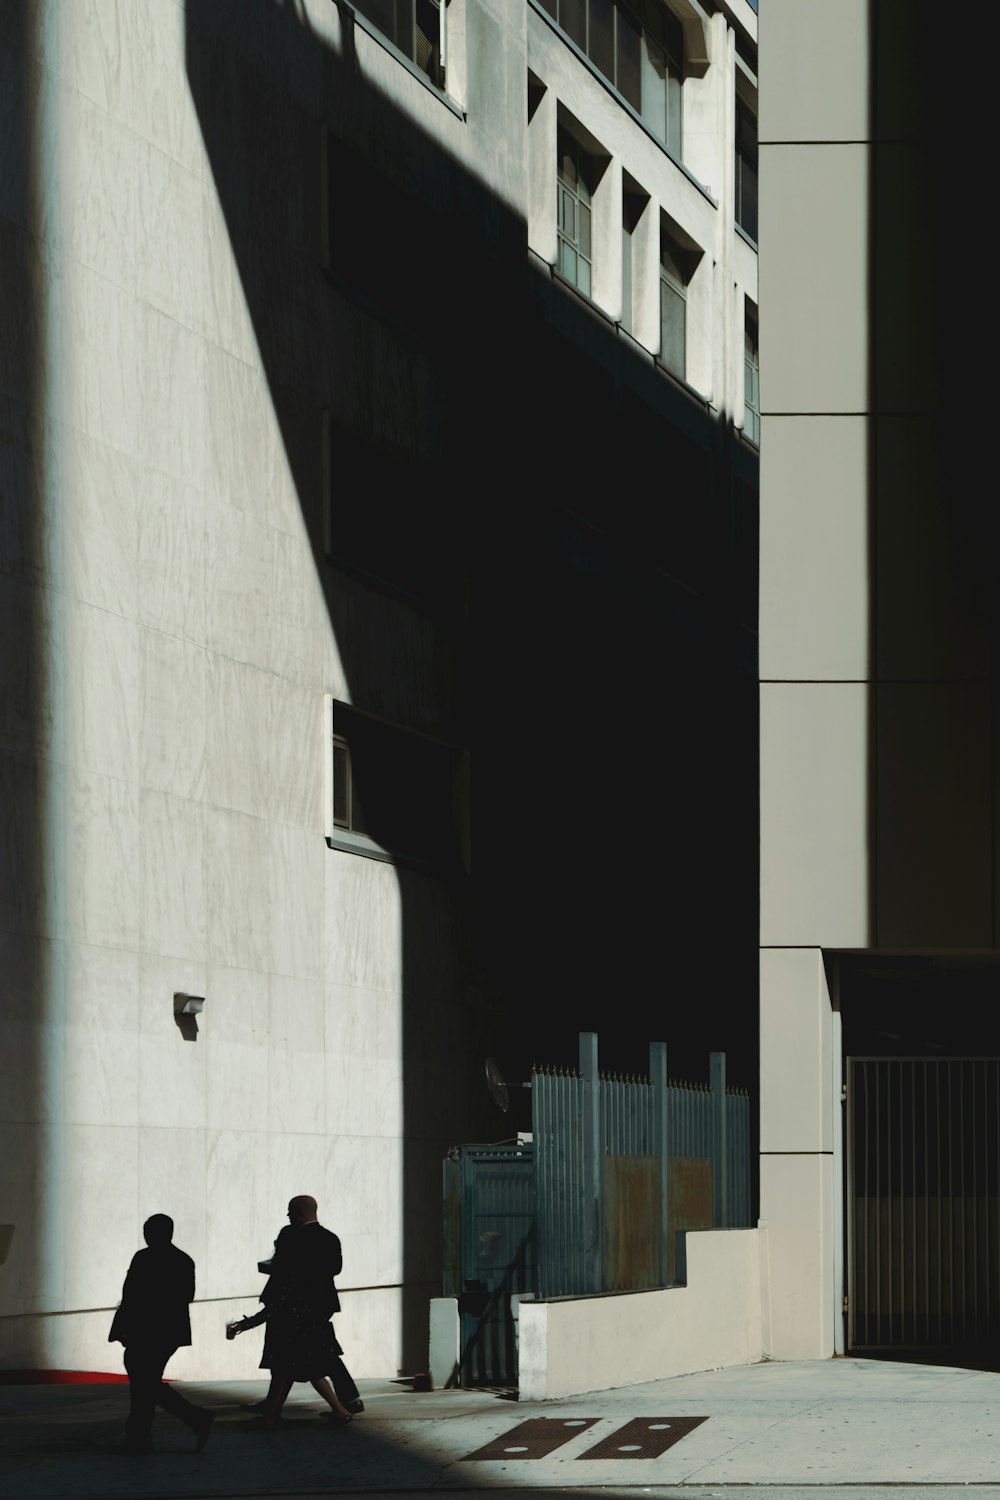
[302, 1210]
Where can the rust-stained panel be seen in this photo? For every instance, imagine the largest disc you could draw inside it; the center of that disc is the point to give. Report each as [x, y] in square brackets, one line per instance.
[631, 1223]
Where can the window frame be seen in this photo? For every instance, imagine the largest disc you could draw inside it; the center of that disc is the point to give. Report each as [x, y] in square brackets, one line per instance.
[751, 369]
[569, 191]
[668, 39]
[745, 154]
[436, 81]
[679, 286]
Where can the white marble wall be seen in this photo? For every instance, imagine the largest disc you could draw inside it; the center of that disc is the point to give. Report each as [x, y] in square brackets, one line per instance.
[161, 744]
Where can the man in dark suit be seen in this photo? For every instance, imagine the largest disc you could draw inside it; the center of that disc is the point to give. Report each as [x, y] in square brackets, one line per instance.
[153, 1321]
[307, 1257]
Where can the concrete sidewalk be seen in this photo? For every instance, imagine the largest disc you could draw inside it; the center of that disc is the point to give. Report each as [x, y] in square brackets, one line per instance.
[797, 1427]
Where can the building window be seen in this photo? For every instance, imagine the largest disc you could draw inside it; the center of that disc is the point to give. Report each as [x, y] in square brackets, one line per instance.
[751, 377]
[574, 188]
[640, 50]
[414, 26]
[346, 808]
[413, 789]
[674, 276]
[746, 168]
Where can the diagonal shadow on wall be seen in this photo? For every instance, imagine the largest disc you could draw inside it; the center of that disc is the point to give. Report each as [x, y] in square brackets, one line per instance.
[533, 550]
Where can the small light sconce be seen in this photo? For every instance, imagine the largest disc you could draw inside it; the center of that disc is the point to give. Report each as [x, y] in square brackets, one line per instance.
[188, 1005]
[186, 1010]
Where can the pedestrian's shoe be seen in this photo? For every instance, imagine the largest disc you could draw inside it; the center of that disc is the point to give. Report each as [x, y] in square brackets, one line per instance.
[340, 1419]
[252, 1405]
[355, 1406]
[203, 1431]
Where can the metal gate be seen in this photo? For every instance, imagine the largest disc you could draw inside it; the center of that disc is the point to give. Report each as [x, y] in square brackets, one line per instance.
[923, 1202]
[489, 1254]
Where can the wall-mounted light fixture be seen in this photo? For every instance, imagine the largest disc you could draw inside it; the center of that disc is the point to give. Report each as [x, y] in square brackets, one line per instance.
[188, 1005]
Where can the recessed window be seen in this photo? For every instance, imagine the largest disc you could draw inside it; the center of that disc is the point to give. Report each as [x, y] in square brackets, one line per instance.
[574, 190]
[751, 377]
[393, 793]
[640, 50]
[746, 168]
[674, 277]
[414, 26]
[347, 812]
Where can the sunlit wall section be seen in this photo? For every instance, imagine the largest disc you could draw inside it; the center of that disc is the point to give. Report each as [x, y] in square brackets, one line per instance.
[163, 745]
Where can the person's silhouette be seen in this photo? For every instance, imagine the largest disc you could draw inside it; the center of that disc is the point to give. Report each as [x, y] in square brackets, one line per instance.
[153, 1321]
[299, 1300]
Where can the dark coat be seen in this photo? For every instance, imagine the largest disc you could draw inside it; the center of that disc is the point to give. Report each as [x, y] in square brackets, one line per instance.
[154, 1306]
[308, 1257]
[300, 1297]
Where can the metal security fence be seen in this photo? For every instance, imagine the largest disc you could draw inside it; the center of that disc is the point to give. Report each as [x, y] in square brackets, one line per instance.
[923, 1200]
[623, 1164]
[615, 1168]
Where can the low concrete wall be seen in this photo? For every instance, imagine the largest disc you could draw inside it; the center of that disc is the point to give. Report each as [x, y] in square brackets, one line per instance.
[579, 1344]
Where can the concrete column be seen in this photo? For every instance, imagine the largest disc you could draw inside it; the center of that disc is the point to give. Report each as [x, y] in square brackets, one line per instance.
[799, 1098]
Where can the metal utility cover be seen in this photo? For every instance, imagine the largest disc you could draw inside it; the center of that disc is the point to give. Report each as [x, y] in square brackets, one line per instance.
[536, 1438]
[644, 1437]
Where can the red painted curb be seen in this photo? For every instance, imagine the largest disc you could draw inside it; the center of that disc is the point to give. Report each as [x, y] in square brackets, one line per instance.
[60, 1377]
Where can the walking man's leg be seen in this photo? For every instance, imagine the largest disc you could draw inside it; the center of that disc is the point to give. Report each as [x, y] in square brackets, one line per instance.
[143, 1378]
[147, 1390]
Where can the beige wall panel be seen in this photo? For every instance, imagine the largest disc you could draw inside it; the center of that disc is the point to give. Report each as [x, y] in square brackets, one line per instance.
[814, 566]
[814, 70]
[796, 1066]
[796, 1204]
[814, 278]
[814, 815]
[935, 820]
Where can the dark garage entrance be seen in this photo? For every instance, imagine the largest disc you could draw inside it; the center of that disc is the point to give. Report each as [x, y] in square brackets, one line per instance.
[923, 1151]
[922, 1158]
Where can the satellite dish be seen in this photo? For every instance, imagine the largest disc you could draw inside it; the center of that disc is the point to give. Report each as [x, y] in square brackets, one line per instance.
[497, 1087]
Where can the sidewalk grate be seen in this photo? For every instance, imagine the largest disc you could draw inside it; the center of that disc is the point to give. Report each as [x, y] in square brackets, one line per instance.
[644, 1437]
[536, 1438]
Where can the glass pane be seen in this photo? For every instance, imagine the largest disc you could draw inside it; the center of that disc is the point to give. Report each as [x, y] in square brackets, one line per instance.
[567, 159]
[573, 20]
[673, 138]
[748, 197]
[403, 31]
[583, 238]
[673, 38]
[672, 260]
[427, 40]
[583, 275]
[567, 214]
[585, 176]
[550, 6]
[654, 87]
[748, 384]
[672, 310]
[602, 37]
[629, 57]
[567, 261]
[341, 813]
[357, 816]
